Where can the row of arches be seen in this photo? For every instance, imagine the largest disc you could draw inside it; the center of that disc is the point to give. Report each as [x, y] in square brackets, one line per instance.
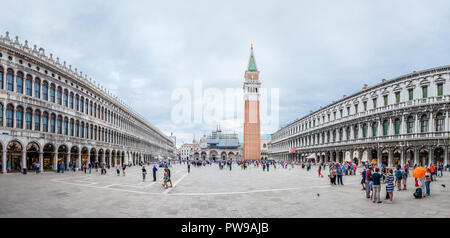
[215, 155]
[17, 156]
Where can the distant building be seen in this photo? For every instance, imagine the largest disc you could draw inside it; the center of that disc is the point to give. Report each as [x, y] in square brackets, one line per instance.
[265, 148]
[218, 146]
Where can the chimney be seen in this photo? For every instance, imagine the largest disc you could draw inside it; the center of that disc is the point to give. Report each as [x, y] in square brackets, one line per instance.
[345, 95]
[383, 80]
[365, 87]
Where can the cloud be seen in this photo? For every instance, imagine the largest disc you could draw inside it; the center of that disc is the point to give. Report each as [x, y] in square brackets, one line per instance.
[313, 51]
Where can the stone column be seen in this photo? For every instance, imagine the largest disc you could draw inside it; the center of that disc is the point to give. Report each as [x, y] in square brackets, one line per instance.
[79, 159]
[4, 116]
[446, 128]
[4, 162]
[390, 157]
[24, 159]
[68, 160]
[55, 160]
[403, 125]
[41, 161]
[402, 157]
[416, 156]
[416, 124]
[430, 155]
[379, 157]
[431, 123]
[445, 156]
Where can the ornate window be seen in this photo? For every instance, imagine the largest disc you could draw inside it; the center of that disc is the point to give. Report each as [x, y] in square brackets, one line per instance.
[364, 130]
[71, 100]
[365, 105]
[440, 89]
[397, 97]
[424, 91]
[9, 115]
[19, 82]
[59, 125]
[1, 78]
[28, 84]
[385, 127]
[397, 126]
[37, 88]
[65, 126]
[439, 122]
[82, 104]
[410, 125]
[59, 96]
[410, 94]
[65, 98]
[374, 129]
[71, 127]
[76, 102]
[45, 91]
[82, 130]
[37, 120]
[52, 123]
[356, 108]
[28, 115]
[10, 80]
[385, 98]
[374, 103]
[19, 117]
[424, 123]
[45, 122]
[355, 132]
[52, 93]
[77, 131]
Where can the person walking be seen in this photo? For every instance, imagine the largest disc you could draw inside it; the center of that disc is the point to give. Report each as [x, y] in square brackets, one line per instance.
[404, 178]
[37, 167]
[154, 173]
[169, 179]
[189, 167]
[376, 179]
[390, 184]
[118, 169]
[90, 167]
[363, 179]
[166, 177]
[398, 178]
[320, 171]
[62, 167]
[144, 172]
[123, 168]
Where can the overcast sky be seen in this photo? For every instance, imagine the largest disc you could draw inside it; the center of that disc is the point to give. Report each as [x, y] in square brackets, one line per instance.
[313, 51]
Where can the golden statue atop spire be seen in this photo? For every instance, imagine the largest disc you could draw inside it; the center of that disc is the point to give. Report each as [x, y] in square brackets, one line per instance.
[251, 45]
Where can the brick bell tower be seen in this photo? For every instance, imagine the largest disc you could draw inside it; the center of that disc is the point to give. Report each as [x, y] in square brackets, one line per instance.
[252, 135]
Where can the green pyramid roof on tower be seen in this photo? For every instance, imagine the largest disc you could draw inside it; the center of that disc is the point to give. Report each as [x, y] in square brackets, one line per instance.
[251, 62]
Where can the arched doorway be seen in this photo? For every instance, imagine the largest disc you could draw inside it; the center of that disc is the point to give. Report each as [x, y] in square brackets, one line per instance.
[223, 155]
[32, 155]
[373, 156]
[49, 155]
[423, 157]
[213, 154]
[397, 155]
[409, 156]
[14, 156]
[84, 156]
[438, 156]
[203, 155]
[385, 157]
[231, 155]
[118, 159]
[62, 154]
[74, 153]
[93, 155]
[106, 157]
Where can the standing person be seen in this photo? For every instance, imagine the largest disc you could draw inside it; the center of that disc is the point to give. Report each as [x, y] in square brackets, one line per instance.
[404, 178]
[37, 167]
[154, 172]
[62, 167]
[363, 179]
[368, 181]
[118, 169]
[90, 167]
[123, 168]
[398, 178]
[339, 175]
[165, 178]
[376, 180]
[390, 184]
[169, 177]
[320, 170]
[144, 172]
[189, 167]
[428, 181]
[268, 167]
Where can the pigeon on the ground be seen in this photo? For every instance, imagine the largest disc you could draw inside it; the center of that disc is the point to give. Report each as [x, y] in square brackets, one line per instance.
[318, 195]
[443, 185]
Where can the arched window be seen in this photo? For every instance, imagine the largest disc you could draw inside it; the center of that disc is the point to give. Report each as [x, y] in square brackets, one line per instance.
[19, 117]
[1, 114]
[19, 82]
[91, 131]
[397, 126]
[385, 127]
[9, 115]
[439, 122]
[341, 132]
[59, 96]
[76, 102]
[52, 123]
[82, 130]
[28, 115]
[45, 122]
[59, 125]
[424, 123]
[71, 127]
[355, 132]
[10, 80]
[77, 131]
[410, 125]
[71, 100]
[37, 88]
[86, 106]
[374, 129]
[347, 136]
[1, 78]
[45, 91]
[65, 98]
[65, 126]
[334, 135]
[37, 120]
[28, 84]
[82, 104]
[52, 93]
[364, 130]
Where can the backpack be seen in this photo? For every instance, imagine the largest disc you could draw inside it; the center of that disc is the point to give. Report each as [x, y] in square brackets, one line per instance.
[418, 193]
[398, 174]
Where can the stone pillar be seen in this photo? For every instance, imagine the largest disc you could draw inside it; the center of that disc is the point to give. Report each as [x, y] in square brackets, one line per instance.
[430, 155]
[445, 156]
[416, 156]
[96, 157]
[4, 162]
[416, 124]
[4, 116]
[431, 123]
[79, 159]
[379, 157]
[402, 157]
[68, 160]
[55, 161]
[24, 159]
[403, 125]
[390, 157]
[41, 161]
[360, 156]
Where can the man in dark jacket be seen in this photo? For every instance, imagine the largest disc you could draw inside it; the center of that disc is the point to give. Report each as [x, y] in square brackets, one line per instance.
[154, 173]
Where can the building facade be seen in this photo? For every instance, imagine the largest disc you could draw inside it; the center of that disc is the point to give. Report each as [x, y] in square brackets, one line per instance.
[50, 112]
[252, 132]
[218, 146]
[405, 119]
[265, 149]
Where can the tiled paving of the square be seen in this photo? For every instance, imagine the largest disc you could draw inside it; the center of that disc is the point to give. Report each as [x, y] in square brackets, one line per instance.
[207, 192]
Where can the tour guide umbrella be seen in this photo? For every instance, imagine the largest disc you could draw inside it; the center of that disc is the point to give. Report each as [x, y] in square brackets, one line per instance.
[419, 172]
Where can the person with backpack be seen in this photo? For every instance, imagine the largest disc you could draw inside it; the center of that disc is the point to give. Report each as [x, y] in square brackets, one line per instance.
[404, 178]
[368, 182]
[376, 181]
[398, 179]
